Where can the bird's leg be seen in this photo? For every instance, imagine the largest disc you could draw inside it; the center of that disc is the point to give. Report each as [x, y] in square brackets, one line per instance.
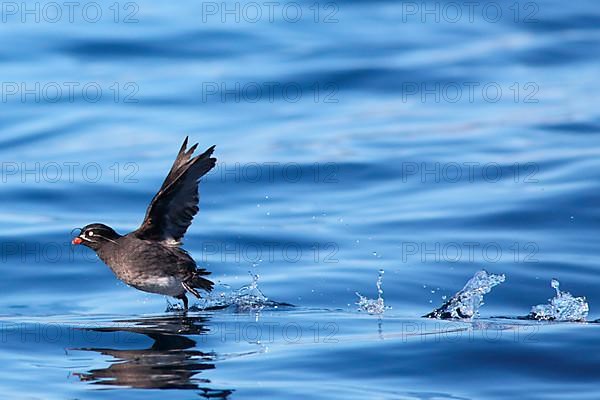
[169, 305]
[183, 298]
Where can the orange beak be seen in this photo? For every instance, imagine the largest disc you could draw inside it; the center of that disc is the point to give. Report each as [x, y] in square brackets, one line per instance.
[76, 241]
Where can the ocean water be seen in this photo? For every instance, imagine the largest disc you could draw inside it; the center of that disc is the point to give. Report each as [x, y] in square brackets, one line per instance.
[429, 140]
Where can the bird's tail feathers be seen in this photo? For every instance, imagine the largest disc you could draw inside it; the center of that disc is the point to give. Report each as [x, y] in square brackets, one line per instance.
[198, 282]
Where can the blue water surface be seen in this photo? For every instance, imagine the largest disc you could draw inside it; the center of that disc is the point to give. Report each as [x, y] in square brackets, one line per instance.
[426, 139]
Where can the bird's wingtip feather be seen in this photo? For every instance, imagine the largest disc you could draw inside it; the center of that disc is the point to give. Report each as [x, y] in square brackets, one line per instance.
[192, 149]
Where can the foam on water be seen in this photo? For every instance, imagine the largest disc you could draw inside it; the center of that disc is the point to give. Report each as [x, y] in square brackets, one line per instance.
[563, 307]
[373, 306]
[466, 303]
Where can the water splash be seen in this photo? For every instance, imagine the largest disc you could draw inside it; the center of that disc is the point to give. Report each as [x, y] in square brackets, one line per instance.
[466, 303]
[247, 298]
[373, 306]
[563, 307]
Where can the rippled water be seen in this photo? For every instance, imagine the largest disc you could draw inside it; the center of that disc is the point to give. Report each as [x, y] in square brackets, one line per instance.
[360, 136]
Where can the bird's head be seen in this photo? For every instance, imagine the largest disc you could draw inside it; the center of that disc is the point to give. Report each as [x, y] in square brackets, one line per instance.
[95, 236]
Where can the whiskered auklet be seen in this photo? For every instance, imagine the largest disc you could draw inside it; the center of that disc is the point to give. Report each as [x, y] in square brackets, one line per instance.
[150, 258]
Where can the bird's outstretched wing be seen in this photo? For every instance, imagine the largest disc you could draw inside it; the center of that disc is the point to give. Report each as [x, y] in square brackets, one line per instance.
[171, 211]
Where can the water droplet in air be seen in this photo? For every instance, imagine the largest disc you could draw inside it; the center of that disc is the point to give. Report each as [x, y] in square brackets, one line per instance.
[373, 306]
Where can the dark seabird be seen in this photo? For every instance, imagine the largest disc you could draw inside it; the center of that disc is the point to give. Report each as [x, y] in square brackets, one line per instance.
[151, 258]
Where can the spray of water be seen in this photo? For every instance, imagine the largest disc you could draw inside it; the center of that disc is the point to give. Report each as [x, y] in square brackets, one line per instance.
[563, 307]
[373, 306]
[245, 299]
[466, 303]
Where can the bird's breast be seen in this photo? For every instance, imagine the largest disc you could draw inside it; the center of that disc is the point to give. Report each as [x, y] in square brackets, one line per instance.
[166, 285]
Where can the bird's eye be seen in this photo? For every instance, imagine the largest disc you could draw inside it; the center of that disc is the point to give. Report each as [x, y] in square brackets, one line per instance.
[90, 233]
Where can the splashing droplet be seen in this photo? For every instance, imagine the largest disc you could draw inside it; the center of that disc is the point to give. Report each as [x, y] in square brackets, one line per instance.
[466, 303]
[373, 306]
[247, 298]
[563, 307]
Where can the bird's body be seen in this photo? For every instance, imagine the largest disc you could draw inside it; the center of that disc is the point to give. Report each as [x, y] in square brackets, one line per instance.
[151, 266]
[150, 258]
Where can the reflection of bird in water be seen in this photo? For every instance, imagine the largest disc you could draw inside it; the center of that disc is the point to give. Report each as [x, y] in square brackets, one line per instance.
[170, 363]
